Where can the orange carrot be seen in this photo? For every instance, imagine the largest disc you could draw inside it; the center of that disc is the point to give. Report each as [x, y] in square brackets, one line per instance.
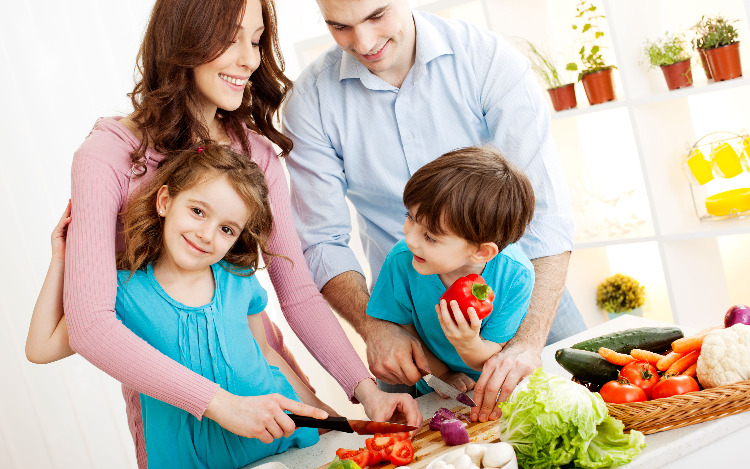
[645, 355]
[667, 361]
[619, 359]
[691, 370]
[683, 363]
[688, 344]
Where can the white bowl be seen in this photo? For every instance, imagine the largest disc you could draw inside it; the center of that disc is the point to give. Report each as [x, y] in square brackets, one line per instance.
[513, 464]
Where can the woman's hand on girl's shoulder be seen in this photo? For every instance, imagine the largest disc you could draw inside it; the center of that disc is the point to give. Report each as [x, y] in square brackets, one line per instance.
[260, 417]
[59, 233]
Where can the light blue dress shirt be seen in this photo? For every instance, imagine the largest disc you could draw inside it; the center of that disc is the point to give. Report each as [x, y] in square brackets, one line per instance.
[404, 296]
[357, 136]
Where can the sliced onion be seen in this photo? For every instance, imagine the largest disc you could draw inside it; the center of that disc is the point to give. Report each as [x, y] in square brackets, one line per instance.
[441, 415]
[454, 433]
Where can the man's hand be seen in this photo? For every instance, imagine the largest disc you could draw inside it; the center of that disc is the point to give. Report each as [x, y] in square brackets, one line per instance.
[394, 355]
[388, 407]
[500, 375]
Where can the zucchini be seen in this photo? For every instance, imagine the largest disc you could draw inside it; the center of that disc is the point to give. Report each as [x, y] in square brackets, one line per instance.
[587, 366]
[653, 339]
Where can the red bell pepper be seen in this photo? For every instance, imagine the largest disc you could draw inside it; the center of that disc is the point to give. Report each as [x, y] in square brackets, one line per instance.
[471, 292]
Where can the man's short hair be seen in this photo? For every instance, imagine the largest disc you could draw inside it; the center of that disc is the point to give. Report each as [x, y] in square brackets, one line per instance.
[473, 193]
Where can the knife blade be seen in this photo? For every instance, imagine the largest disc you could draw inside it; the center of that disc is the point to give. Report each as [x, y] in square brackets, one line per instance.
[444, 388]
[342, 424]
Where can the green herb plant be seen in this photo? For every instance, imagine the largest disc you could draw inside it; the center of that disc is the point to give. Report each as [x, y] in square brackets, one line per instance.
[590, 53]
[619, 294]
[544, 65]
[713, 32]
[666, 50]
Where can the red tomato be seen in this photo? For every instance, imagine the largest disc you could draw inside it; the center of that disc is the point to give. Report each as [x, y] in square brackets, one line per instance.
[402, 453]
[343, 453]
[397, 436]
[360, 456]
[382, 445]
[641, 374]
[621, 391]
[673, 386]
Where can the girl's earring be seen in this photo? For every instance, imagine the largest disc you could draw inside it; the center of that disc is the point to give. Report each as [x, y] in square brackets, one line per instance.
[161, 212]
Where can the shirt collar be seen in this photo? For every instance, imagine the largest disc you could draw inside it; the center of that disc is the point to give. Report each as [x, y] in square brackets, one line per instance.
[430, 45]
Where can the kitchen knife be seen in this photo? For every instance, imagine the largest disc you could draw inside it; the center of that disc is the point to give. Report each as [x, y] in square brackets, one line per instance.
[444, 388]
[341, 424]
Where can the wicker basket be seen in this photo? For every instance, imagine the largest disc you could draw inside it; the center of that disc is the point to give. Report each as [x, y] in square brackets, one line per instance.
[678, 411]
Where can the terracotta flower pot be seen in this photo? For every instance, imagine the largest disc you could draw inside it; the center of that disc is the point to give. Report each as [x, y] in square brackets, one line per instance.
[678, 75]
[704, 63]
[724, 62]
[563, 97]
[599, 86]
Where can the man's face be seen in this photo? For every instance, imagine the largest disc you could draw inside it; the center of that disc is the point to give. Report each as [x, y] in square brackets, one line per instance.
[378, 33]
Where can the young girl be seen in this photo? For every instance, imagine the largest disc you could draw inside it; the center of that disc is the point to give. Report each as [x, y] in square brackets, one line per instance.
[193, 238]
[208, 70]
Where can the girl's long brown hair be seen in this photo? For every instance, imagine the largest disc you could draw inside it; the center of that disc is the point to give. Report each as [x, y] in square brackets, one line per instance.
[142, 225]
[181, 35]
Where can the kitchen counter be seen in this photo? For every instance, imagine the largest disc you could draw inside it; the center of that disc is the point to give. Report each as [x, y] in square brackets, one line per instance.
[717, 443]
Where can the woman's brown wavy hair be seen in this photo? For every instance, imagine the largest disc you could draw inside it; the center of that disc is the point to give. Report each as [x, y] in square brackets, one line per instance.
[181, 35]
[143, 228]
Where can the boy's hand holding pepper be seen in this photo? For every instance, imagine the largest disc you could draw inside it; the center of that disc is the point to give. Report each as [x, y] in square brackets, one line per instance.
[460, 333]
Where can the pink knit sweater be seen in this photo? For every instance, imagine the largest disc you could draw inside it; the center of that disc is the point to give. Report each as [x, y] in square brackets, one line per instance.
[101, 184]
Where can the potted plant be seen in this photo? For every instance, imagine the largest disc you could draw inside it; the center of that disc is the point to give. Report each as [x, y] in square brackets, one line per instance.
[561, 92]
[620, 294]
[595, 74]
[670, 53]
[716, 38]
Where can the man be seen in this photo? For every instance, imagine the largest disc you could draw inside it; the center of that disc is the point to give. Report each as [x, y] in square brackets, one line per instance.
[401, 89]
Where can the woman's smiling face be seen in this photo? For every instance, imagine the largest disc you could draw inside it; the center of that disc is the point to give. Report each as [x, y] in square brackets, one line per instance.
[221, 82]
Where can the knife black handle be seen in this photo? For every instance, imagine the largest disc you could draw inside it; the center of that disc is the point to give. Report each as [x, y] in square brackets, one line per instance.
[331, 423]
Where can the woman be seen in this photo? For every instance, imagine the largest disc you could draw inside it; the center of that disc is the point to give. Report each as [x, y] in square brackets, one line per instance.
[211, 70]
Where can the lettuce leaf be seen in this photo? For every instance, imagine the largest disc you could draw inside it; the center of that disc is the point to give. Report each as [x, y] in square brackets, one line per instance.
[553, 422]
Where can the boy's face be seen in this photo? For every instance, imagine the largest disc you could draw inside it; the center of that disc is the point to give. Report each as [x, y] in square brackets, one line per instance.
[433, 254]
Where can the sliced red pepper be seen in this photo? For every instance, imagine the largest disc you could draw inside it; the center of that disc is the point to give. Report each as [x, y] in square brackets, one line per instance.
[471, 292]
[402, 453]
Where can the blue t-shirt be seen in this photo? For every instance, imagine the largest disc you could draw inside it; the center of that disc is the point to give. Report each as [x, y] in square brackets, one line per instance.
[215, 341]
[404, 296]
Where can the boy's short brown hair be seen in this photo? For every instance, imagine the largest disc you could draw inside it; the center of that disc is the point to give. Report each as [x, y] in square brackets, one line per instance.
[473, 193]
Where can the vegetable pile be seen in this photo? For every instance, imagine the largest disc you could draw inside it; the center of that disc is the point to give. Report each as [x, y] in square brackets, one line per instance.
[395, 448]
[637, 364]
[551, 422]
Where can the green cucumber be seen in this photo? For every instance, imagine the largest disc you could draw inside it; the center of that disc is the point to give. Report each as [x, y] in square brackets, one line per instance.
[654, 339]
[587, 366]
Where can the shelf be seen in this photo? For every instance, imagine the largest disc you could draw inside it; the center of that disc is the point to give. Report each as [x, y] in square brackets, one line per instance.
[614, 242]
[710, 87]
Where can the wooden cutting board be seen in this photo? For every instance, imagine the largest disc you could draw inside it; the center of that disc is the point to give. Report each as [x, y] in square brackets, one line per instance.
[428, 444]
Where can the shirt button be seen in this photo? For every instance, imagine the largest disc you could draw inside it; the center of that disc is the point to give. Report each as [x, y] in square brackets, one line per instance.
[410, 137]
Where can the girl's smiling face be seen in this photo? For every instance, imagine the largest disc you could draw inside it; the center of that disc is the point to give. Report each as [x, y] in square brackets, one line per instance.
[201, 224]
[221, 82]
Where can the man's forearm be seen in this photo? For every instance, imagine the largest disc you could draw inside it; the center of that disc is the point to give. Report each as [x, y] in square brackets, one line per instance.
[549, 284]
[348, 295]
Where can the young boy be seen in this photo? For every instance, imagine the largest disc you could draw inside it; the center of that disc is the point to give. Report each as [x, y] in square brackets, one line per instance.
[465, 211]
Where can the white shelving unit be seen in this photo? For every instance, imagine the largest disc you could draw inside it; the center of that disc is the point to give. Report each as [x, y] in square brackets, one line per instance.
[692, 269]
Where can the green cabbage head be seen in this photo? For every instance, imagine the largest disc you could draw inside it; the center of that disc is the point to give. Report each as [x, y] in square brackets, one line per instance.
[553, 422]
